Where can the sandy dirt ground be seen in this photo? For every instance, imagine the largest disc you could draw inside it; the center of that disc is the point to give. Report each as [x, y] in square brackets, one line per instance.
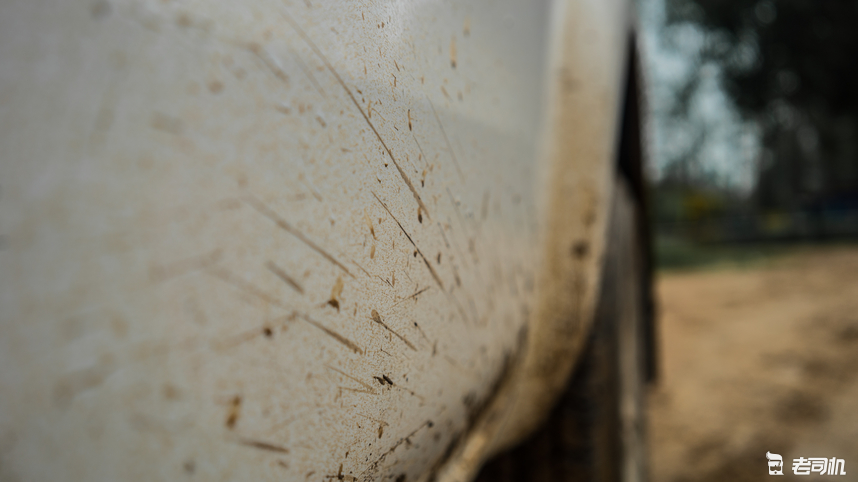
[757, 359]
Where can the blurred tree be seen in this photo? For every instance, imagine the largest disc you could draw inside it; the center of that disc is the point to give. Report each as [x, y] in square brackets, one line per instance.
[791, 67]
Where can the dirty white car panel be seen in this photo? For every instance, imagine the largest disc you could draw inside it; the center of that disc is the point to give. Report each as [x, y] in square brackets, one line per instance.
[295, 240]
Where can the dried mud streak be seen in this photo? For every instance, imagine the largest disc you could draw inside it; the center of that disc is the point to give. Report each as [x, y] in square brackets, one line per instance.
[275, 69]
[458, 304]
[470, 237]
[420, 148]
[248, 335]
[175, 269]
[356, 390]
[282, 224]
[409, 391]
[399, 442]
[454, 245]
[243, 285]
[362, 113]
[447, 140]
[458, 210]
[391, 330]
[361, 268]
[257, 444]
[333, 334]
[413, 295]
[426, 261]
[309, 75]
[373, 419]
[365, 385]
[284, 277]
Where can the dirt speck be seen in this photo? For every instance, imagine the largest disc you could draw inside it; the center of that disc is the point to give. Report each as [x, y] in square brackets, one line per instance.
[215, 86]
[580, 249]
[100, 9]
[171, 392]
[233, 413]
[167, 123]
[336, 291]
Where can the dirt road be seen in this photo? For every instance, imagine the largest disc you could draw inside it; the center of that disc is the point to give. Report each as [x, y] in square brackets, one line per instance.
[757, 359]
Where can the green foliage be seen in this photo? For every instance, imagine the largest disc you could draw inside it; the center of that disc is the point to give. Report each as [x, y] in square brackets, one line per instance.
[790, 67]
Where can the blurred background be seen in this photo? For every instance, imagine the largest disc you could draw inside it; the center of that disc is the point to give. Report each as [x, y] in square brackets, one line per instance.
[753, 163]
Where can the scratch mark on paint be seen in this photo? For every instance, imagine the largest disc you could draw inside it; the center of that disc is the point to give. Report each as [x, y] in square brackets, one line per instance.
[310, 187]
[425, 261]
[443, 235]
[243, 285]
[373, 419]
[266, 329]
[361, 267]
[357, 105]
[422, 333]
[284, 277]
[333, 334]
[400, 387]
[269, 62]
[340, 476]
[365, 385]
[377, 318]
[194, 263]
[369, 224]
[257, 444]
[282, 224]
[355, 390]
[455, 245]
[414, 295]
[459, 307]
[309, 74]
[384, 280]
[399, 442]
[420, 148]
[446, 139]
